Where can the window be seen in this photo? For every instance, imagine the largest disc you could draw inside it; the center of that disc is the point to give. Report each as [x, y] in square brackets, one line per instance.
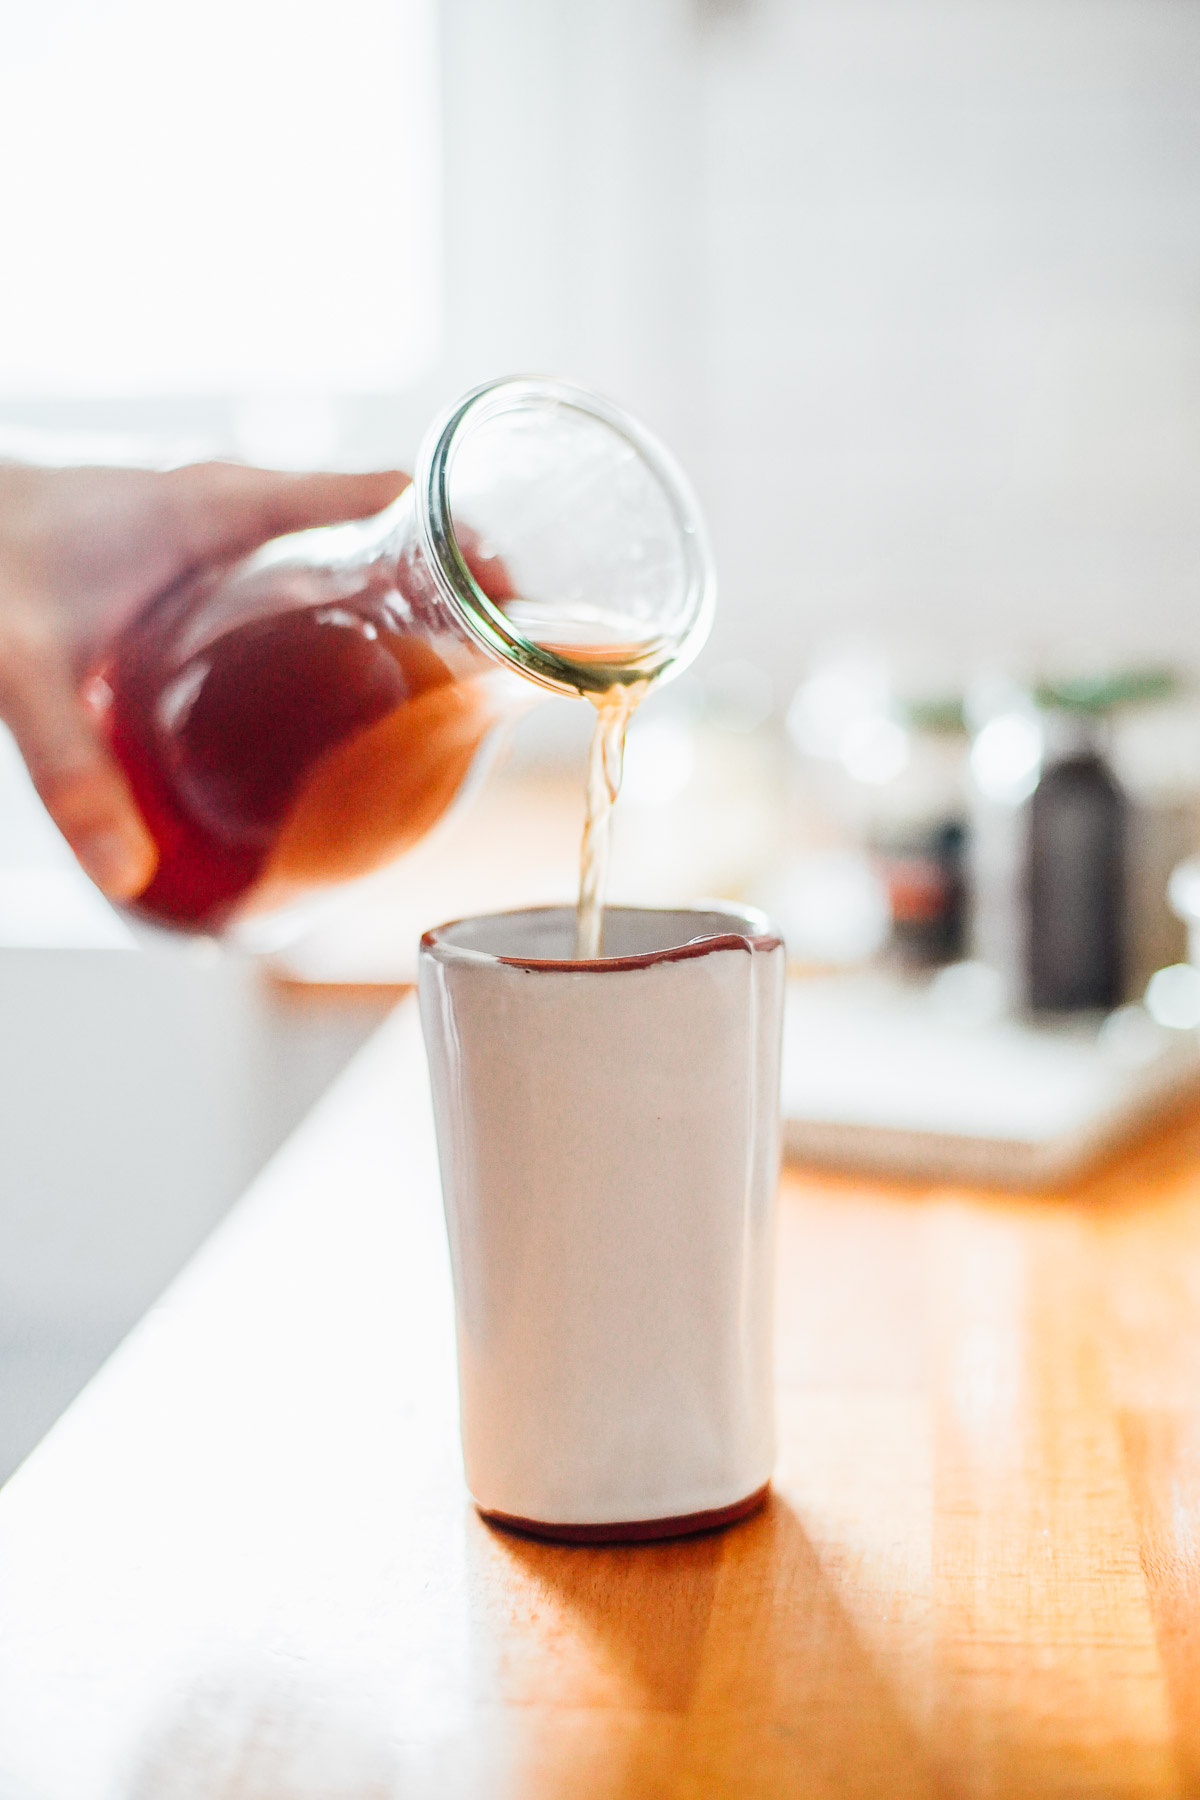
[234, 197]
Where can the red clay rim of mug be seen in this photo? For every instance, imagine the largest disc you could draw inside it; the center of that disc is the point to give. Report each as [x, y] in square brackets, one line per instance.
[730, 940]
[633, 1531]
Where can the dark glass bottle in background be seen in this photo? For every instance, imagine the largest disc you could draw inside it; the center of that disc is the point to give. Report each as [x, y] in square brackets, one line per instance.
[1083, 798]
[1075, 953]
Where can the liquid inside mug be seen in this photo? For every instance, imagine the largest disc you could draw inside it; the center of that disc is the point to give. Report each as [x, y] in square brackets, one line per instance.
[303, 716]
[609, 1146]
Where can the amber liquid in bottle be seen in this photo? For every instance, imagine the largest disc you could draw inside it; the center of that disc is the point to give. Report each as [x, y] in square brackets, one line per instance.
[305, 745]
[314, 741]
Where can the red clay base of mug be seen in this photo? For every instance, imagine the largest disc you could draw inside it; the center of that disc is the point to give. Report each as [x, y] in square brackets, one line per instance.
[633, 1531]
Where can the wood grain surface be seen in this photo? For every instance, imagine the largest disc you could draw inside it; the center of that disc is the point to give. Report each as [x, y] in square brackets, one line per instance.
[243, 1565]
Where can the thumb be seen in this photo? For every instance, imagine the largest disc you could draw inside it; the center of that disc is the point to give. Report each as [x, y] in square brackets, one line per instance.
[226, 509]
[79, 781]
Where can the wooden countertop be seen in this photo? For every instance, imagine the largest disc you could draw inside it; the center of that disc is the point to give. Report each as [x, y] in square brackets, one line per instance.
[243, 1565]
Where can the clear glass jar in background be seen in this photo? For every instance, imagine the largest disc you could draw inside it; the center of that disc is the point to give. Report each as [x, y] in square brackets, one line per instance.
[879, 808]
[303, 717]
[917, 835]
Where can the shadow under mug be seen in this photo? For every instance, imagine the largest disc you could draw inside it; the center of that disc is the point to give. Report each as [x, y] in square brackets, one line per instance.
[608, 1134]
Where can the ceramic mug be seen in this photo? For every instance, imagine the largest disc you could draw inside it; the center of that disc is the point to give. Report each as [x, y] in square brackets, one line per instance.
[608, 1139]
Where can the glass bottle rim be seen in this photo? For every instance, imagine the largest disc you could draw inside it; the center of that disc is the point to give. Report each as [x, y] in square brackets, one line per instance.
[663, 657]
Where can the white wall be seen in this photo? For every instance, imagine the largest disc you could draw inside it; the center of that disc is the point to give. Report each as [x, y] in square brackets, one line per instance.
[913, 285]
[955, 337]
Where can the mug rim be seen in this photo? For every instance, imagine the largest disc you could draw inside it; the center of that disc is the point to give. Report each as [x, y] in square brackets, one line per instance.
[758, 937]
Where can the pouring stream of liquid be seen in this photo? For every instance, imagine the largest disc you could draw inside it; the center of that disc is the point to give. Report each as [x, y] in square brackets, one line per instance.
[614, 709]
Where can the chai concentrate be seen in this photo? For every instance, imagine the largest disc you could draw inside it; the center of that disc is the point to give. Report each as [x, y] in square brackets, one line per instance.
[615, 706]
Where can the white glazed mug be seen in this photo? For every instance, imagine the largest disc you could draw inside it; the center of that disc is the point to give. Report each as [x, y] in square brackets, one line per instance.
[608, 1138]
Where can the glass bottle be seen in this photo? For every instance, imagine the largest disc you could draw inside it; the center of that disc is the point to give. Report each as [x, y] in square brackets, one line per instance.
[305, 715]
[1075, 873]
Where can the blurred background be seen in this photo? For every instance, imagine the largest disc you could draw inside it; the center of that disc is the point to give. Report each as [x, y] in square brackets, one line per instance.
[912, 287]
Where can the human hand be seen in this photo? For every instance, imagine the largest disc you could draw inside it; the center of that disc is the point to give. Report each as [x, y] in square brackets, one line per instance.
[82, 551]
